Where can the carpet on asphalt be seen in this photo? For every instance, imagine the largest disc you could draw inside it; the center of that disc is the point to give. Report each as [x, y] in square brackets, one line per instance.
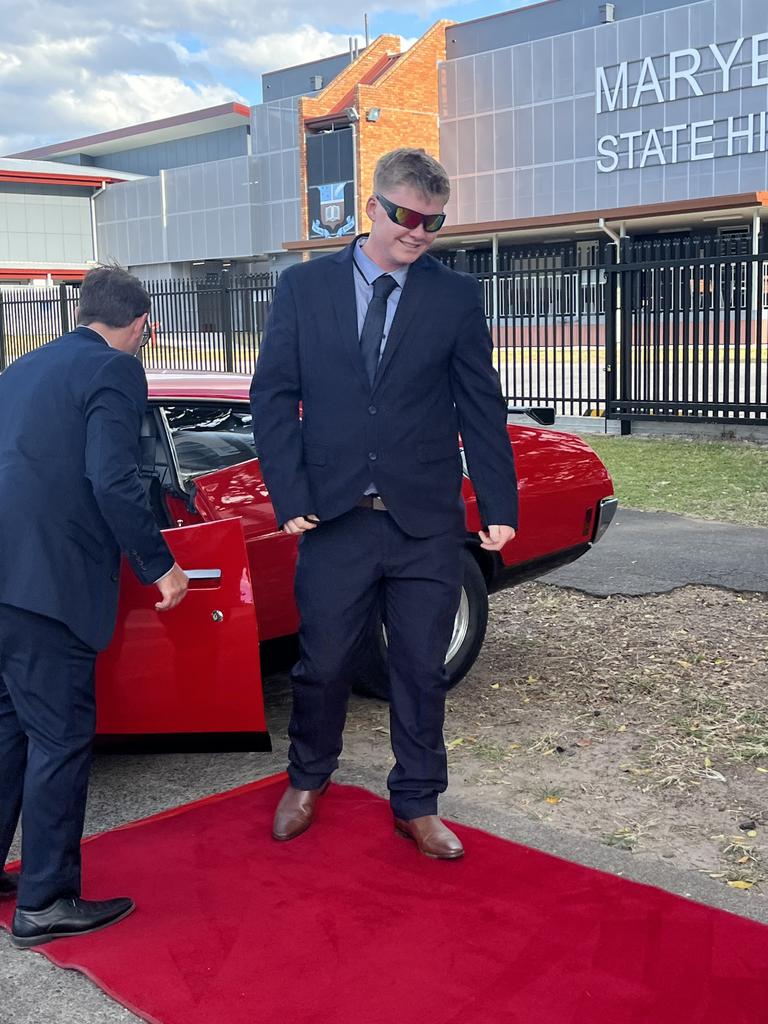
[350, 923]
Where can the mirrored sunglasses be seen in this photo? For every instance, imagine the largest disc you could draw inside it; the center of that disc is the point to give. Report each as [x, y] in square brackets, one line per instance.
[411, 218]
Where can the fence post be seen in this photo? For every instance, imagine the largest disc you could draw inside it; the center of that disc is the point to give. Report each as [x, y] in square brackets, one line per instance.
[64, 308]
[610, 340]
[229, 341]
[3, 363]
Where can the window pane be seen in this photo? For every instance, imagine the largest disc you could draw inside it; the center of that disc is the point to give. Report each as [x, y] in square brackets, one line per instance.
[210, 437]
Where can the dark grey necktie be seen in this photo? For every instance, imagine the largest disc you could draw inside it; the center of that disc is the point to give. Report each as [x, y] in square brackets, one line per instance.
[373, 328]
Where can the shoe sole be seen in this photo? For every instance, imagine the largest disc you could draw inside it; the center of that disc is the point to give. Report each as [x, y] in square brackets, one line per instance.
[21, 942]
[294, 835]
[432, 856]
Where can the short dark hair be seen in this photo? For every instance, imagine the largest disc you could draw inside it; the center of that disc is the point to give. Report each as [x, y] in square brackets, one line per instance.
[414, 168]
[110, 295]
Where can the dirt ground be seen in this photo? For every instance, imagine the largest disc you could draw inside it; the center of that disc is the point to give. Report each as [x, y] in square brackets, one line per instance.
[640, 722]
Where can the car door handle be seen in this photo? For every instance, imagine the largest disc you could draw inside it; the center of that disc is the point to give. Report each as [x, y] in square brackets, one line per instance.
[203, 574]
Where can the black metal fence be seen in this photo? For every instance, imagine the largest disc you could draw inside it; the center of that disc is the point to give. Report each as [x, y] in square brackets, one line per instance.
[213, 324]
[547, 321]
[650, 337]
[688, 338]
[666, 333]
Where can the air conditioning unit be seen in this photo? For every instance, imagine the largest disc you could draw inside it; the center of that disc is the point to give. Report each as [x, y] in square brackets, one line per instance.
[607, 13]
[316, 82]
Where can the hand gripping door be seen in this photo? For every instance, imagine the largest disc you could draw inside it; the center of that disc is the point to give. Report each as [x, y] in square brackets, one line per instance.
[189, 677]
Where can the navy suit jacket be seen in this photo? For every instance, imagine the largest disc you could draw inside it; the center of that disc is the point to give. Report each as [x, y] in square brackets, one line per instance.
[70, 493]
[435, 379]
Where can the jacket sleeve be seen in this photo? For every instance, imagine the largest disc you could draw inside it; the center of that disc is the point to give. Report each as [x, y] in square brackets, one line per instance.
[115, 401]
[275, 400]
[482, 413]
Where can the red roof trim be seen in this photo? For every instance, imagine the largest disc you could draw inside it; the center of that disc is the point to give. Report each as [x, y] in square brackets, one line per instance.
[78, 180]
[25, 273]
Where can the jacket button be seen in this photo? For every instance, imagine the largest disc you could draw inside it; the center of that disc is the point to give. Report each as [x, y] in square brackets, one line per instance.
[114, 577]
[372, 410]
[372, 456]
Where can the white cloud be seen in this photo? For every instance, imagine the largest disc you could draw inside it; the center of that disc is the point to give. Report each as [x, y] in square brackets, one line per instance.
[279, 49]
[118, 100]
[70, 68]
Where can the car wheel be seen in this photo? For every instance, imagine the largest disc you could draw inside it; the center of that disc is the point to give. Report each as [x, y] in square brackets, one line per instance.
[372, 676]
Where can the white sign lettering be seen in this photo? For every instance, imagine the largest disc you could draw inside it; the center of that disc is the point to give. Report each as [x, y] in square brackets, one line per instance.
[674, 76]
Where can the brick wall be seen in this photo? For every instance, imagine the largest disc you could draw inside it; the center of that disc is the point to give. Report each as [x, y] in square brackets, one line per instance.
[408, 100]
[407, 97]
[326, 100]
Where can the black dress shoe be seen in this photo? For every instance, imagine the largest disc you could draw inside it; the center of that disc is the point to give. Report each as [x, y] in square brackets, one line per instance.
[64, 918]
[9, 884]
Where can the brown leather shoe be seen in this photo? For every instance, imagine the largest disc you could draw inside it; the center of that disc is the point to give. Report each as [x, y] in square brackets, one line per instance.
[433, 838]
[295, 812]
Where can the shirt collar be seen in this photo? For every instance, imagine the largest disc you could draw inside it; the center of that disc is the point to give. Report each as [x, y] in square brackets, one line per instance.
[371, 270]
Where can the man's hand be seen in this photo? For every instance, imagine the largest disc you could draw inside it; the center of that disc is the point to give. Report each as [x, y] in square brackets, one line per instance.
[173, 588]
[496, 537]
[300, 524]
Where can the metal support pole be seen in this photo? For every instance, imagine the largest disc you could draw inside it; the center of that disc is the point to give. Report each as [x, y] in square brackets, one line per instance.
[495, 278]
[229, 339]
[617, 355]
[64, 308]
[3, 360]
[757, 291]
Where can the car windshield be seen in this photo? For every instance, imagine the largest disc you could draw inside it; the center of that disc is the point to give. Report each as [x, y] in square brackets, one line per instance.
[210, 437]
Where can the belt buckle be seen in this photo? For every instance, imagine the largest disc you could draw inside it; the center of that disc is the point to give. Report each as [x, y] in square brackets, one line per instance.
[377, 503]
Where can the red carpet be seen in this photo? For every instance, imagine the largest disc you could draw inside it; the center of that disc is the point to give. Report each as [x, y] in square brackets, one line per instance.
[350, 925]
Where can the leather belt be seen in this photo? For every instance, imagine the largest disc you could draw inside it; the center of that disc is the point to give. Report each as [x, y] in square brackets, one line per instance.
[372, 501]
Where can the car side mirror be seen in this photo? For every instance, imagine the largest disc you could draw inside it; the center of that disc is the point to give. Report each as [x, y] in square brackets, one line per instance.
[542, 414]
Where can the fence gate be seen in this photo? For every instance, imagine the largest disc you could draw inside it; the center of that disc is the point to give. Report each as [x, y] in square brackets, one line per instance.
[547, 320]
[687, 339]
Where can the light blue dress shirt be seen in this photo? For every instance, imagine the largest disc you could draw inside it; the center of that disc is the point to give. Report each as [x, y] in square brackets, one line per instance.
[366, 272]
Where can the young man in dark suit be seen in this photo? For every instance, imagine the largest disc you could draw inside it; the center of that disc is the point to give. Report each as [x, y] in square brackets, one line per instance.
[70, 501]
[389, 355]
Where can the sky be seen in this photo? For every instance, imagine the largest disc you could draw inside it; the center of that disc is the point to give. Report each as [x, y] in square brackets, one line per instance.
[70, 68]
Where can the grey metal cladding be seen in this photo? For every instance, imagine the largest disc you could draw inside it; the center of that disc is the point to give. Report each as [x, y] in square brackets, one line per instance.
[41, 227]
[295, 81]
[203, 205]
[651, 136]
[274, 173]
[483, 83]
[150, 160]
[539, 21]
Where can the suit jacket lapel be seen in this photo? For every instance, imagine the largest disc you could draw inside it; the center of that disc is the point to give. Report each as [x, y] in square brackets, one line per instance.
[341, 287]
[407, 307]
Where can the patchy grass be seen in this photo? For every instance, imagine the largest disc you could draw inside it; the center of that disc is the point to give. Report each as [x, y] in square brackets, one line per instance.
[727, 481]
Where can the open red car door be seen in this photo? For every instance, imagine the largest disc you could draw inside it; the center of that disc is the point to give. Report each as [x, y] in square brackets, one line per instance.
[189, 677]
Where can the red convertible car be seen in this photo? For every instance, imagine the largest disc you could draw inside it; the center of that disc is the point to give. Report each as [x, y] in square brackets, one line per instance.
[192, 677]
